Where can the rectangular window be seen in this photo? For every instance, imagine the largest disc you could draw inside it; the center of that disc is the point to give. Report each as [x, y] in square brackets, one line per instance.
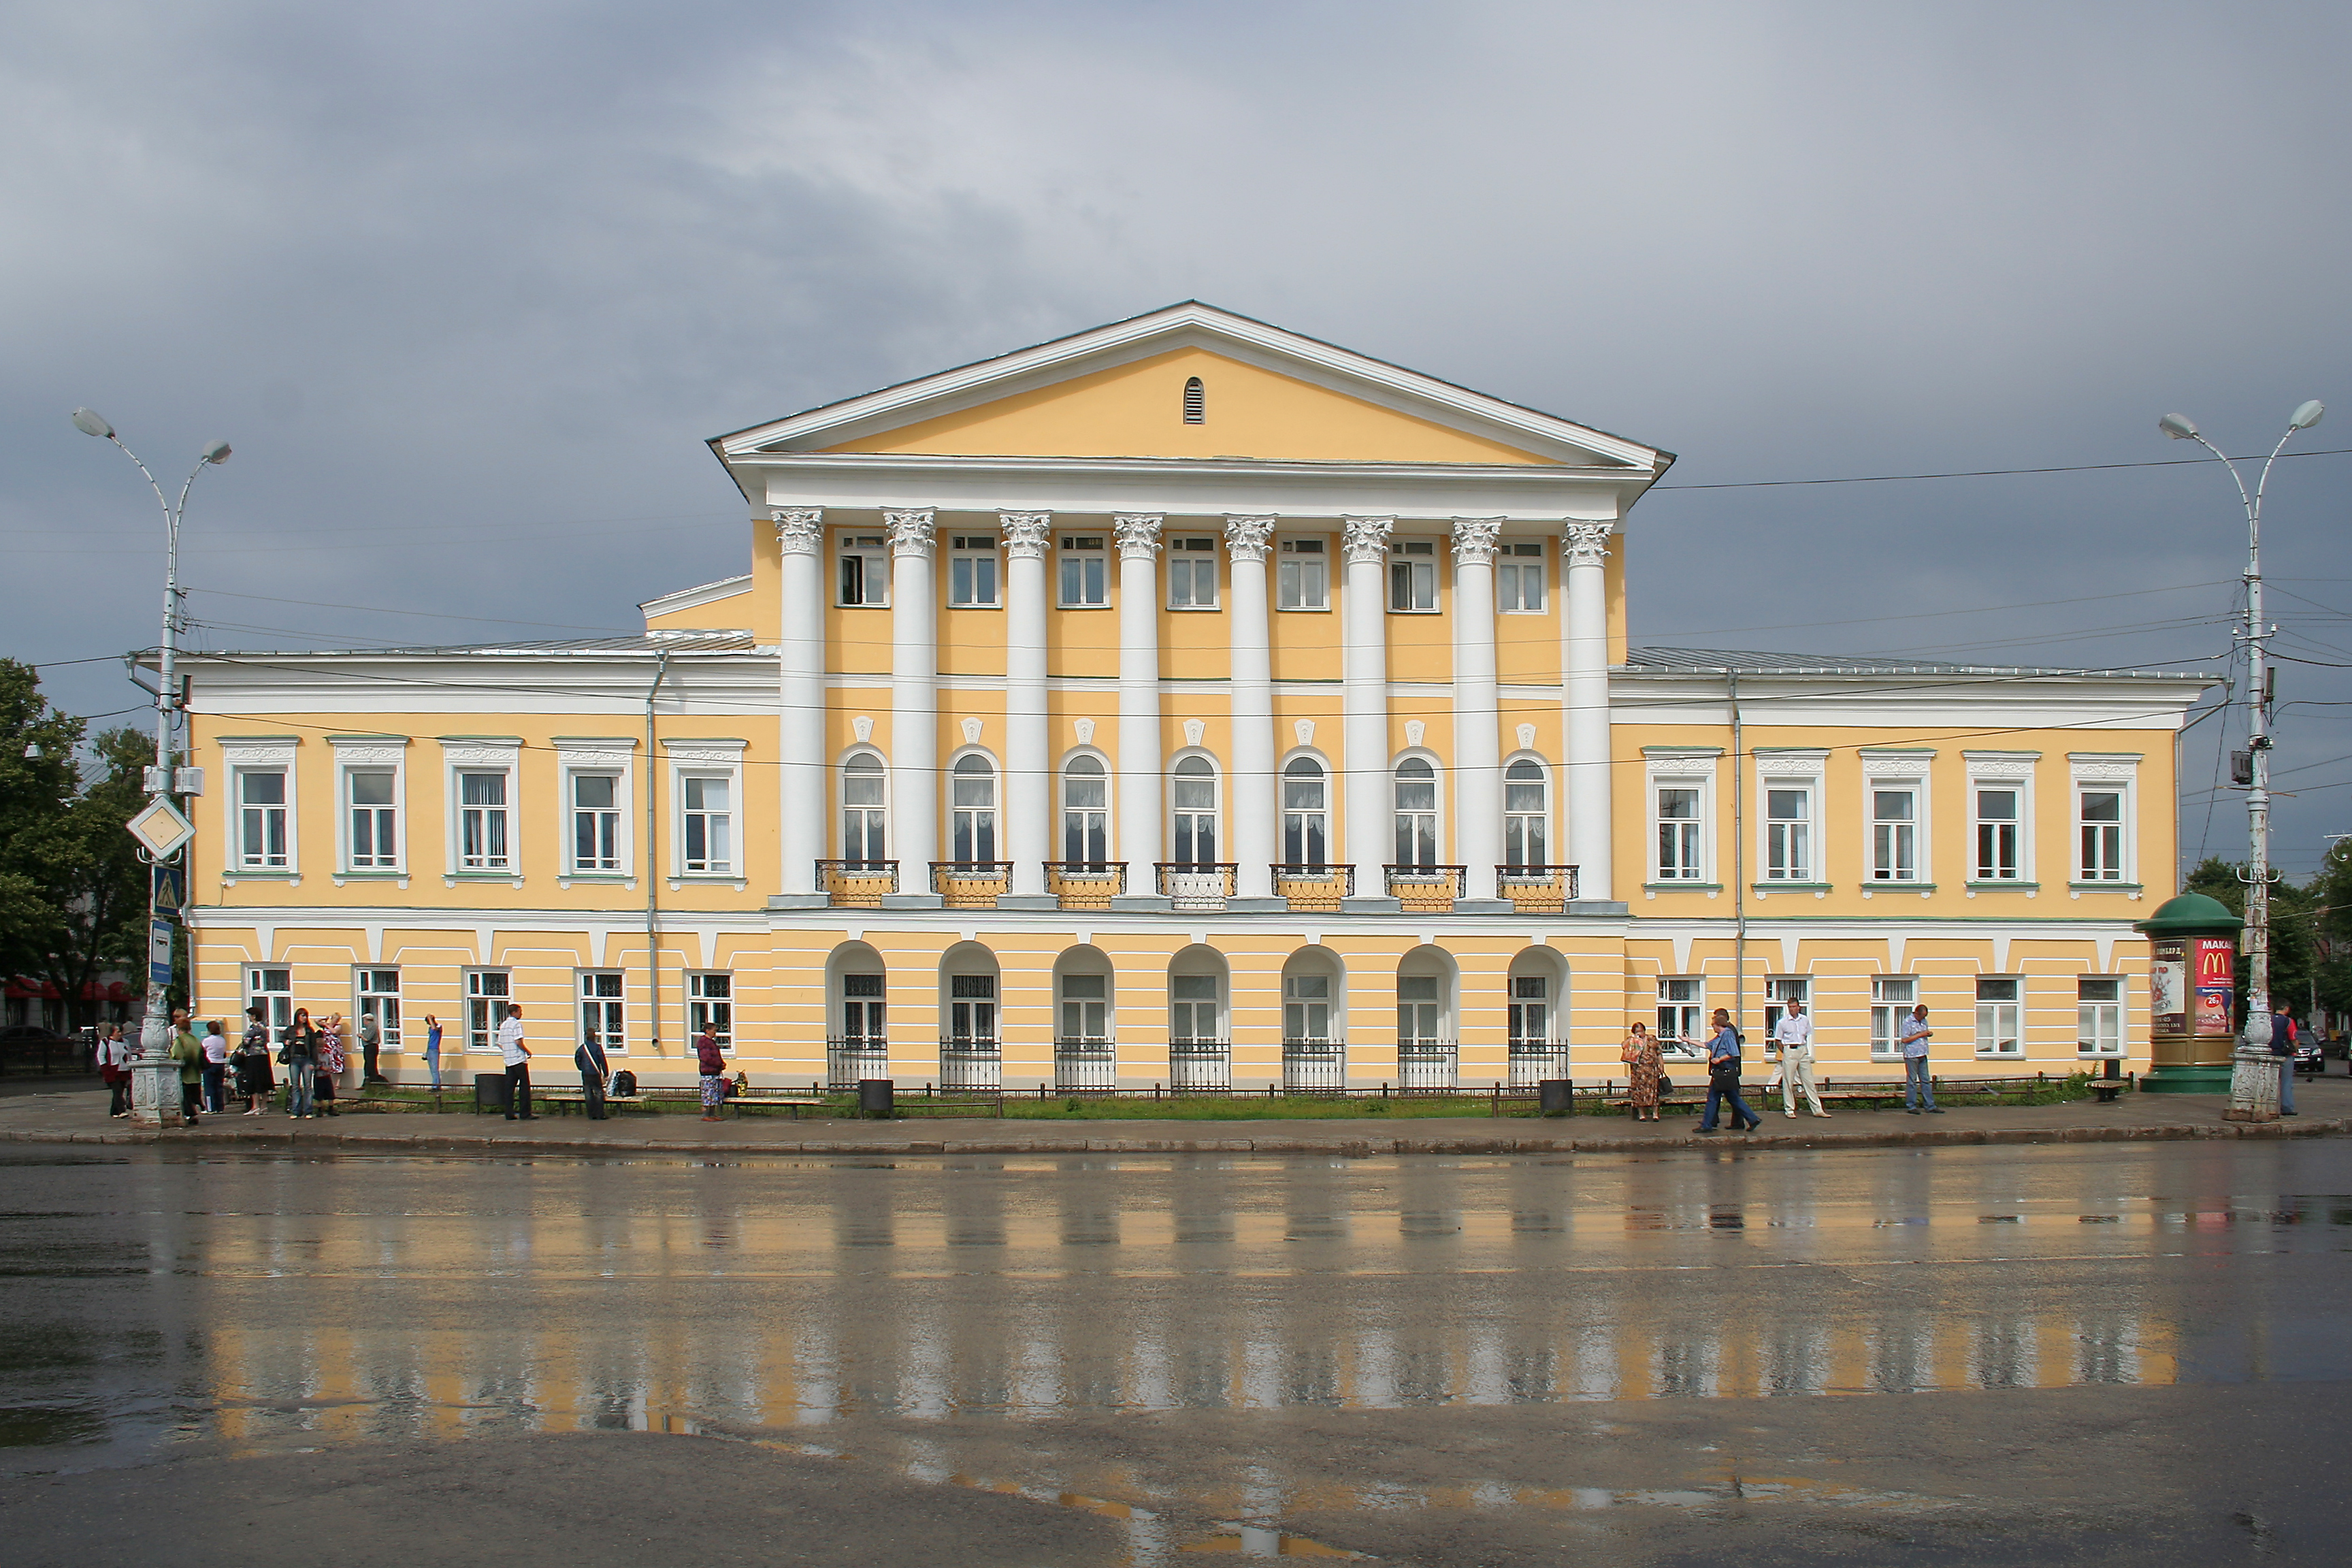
[710, 1003]
[1192, 573]
[1778, 992]
[1519, 577]
[1682, 1009]
[1302, 575]
[1418, 1006]
[971, 1007]
[482, 835]
[709, 804]
[488, 991]
[1306, 1008]
[1894, 832]
[1531, 1010]
[1192, 1008]
[2099, 999]
[1999, 1000]
[1526, 813]
[1085, 1007]
[273, 989]
[602, 1018]
[1678, 834]
[1413, 575]
[862, 1014]
[864, 818]
[261, 819]
[1086, 572]
[865, 562]
[595, 822]
[971, 571]
[1304, 820]
[2099, 822]
[379, 998]
[1788, 835]
[1999, 822]
[1892, 997]
[376, 818]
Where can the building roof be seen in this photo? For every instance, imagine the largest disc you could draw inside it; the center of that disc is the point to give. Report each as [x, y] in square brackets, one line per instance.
[1719, 661]
[647, 643]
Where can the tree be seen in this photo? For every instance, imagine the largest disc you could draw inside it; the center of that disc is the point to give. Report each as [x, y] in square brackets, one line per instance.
[2298, 928]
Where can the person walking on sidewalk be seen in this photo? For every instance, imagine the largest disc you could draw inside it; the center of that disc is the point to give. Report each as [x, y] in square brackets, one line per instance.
[251, 1060]
[1646, 1067]
[371, 1042]
[433, 1049]
[297, 1052]
[518, 1059]
[590, 1060]
[1917, 1085]
[189, 1052]
[112, 1054]
[1795, 1032]
[216, 1069]
[1723, 1078]
[713, 1067]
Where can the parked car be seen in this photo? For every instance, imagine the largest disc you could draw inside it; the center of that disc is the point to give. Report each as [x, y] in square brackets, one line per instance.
[2310, 1052]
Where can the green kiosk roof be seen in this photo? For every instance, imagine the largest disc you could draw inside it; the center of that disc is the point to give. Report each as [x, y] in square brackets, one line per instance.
[2189, 915]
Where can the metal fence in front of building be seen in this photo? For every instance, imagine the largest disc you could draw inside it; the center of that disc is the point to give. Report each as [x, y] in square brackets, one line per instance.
[970, 1065]
[1195, 1066]
[851, 1058]
[1314, 1067]
[1085, 1065]
[1427, 1064]
[1532, 1061]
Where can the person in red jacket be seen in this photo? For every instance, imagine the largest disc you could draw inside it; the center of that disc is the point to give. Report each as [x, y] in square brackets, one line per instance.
[714, 1072]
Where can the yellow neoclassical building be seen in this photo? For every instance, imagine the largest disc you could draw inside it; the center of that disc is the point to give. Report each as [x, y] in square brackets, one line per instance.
[1183, 702]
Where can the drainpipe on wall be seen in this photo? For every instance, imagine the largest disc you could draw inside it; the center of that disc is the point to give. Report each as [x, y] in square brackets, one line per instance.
[1738, 864]
[652, 865]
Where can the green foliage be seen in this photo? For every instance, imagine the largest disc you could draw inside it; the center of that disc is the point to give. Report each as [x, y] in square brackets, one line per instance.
[2306, 920]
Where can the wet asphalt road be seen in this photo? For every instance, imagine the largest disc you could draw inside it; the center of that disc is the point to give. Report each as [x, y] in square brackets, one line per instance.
[2091, 1353]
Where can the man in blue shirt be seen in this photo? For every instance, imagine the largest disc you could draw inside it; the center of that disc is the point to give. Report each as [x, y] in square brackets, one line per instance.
[1916, 1084]
[1723, 1078]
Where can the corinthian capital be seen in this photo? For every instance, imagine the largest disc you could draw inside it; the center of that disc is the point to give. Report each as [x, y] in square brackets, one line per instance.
[1474, 540]
[1367, 539]
[800, 529]
[1586, 544]
[910, 531]
[1025, 532]
[1137, 534]
[1246, 537]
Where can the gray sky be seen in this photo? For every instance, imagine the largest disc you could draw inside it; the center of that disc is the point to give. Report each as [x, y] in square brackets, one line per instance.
[468, 285]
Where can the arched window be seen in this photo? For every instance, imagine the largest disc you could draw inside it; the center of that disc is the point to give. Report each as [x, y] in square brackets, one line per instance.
[973, 828]
[1196, 402]
[1305, 816]
[1193, 794]
[864, 818]
[1526, 813]
[1416, 813]
[1085, 812]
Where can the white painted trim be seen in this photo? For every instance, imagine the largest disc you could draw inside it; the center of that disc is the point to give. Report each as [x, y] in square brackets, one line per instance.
[694, 598]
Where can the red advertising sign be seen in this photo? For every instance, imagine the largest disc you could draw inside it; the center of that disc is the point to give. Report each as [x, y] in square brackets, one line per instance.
[2217, 972]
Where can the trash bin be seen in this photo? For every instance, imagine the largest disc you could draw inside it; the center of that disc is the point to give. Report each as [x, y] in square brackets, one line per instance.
[1556, 1096]
[492, 1092]
[878, 1098]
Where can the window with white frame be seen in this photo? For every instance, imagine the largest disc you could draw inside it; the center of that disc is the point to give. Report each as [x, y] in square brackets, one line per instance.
[1788, 831]
[488, 991]
[485, 837]
[1305, 816]
[1192, 799]
[378, 997]
[2099, 832]
[1892, 997]
[1085, 812]
[1191, 573]
[1302, 575]
[1192, 1009]
[971, 571]
[2000, 1001]
[1682, 1008]
[1678, 822]
[2099, 1002]
[603, 1014]
[372, 796]
[1416, 813]
[270, 987]
[1420, 1002]
[1085, 1007]
[710, 1004]
[1086, 572]
[596, 840]
[1306, 1008]
[1894, 830]
[1779, 990]
[971, 817]
[864, 1017]
[1519, 576]
[262, 808]
[864, 559]
[1527, 814]
[1413, 575]
[972, 1009]
[1529, 1017]
[707, 807]
[1999, 831]
[864, 814]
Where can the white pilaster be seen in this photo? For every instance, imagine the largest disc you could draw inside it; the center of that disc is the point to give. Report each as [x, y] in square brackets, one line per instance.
[914, 708]
[805, 765]
[1364, 709]
[1028, 798]
[1140, 766]
[1253, 794]
[1477, 719]
[1585, 548]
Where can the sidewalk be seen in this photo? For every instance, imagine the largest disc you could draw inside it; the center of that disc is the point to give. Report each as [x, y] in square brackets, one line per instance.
[81, 1118]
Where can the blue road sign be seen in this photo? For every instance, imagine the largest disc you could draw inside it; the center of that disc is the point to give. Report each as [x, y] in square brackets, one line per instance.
[159, 953]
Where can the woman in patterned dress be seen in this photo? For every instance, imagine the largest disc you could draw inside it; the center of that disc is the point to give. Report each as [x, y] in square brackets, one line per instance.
[1640, 1054]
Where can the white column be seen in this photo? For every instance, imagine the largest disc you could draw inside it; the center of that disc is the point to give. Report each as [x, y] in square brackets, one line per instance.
[804, 763]
[913, 709]
[1585, 547]
[1364, 706]
[1253, 793]
[1141, 769]
[1028, 796]
[1477, 719]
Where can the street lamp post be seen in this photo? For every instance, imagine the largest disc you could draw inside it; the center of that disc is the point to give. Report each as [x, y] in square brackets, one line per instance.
[2178, 427]
[155, 1097]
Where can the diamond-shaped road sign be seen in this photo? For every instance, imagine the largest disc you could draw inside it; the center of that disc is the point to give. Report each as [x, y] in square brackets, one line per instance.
[162, 829]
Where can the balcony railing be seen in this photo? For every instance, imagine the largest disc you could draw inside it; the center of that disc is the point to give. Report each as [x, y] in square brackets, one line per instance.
[1083, 1063]
[1314, 887]
[1426, 1064]
[967, 1062]
[857, 884]
[1425, 888]
[1537, 890]
[850, 1058]
[1086, 884]
[1199, 1064]
[1197, 884]
[1314, 1067]
[1532, 1061]
[971, 884]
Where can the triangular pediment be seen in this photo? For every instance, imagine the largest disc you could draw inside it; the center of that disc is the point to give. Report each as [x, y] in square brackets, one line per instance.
[1120, 392]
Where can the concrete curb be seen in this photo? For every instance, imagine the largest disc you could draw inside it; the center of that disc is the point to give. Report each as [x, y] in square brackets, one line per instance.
[1341, 1147]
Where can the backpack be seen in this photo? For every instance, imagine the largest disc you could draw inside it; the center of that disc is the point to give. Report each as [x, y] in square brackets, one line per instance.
[624, 1082]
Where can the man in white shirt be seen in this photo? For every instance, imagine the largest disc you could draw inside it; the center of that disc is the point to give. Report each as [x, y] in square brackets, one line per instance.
[1795, 1035]
[518, 1060]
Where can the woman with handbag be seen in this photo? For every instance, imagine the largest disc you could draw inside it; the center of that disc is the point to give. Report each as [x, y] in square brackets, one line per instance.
[1648, 1069]
[299, 1057]
[1723, 1078]
[251, 1062]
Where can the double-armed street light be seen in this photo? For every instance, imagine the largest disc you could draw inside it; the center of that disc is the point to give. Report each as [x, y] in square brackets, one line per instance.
[162, 828]
[2257, 1034]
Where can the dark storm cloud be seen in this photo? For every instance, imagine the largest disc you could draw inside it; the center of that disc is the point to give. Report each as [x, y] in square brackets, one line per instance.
[466, 285]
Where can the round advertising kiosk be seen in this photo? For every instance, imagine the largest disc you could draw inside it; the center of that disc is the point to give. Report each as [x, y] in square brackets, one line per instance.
[2193, 988]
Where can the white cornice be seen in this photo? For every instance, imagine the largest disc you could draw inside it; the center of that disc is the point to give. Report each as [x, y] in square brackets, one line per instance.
[694, 598]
